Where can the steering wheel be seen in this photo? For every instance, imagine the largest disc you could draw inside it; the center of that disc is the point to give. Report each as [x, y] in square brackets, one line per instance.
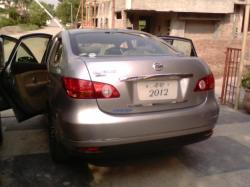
[26, 59]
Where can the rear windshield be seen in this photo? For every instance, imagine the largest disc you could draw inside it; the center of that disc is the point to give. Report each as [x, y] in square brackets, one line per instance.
[100, 44]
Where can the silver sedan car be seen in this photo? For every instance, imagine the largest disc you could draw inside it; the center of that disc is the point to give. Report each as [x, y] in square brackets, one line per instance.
[107, 88]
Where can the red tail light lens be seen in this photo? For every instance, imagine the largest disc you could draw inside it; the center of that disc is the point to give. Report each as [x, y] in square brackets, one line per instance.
[84, 89]
[206, 83]
[80, 89]
[103, 90]
[90, 150]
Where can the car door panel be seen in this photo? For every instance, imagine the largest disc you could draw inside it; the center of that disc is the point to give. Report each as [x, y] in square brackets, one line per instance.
[7, 44]
[26, 77]
[31, 87]
[24, 67]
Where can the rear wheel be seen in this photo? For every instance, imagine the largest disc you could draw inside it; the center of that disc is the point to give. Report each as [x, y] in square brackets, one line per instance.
[58, 152]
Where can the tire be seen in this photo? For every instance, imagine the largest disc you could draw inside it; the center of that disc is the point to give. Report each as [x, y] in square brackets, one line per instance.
[58, 152]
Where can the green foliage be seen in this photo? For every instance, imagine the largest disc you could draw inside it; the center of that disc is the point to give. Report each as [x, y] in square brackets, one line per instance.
[63, 11]
[245, 82]
[3, 10]
[13, 14]
[37, 16]
[6, 22]
[50, 8]
[29, 15]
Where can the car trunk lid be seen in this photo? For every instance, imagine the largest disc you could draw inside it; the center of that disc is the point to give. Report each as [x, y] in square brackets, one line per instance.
[148, 84]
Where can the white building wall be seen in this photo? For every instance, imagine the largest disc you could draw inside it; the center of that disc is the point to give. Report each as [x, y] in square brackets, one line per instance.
[104, 14]
[199, 6]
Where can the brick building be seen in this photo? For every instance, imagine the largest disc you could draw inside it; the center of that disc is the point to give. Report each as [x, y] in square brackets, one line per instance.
[212, 24]
[189, 18]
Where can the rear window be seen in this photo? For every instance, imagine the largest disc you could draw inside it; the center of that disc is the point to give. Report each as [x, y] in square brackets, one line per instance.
[99, 44]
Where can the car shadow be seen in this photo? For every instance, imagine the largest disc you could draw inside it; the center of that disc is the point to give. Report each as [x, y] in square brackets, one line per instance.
[39, 170]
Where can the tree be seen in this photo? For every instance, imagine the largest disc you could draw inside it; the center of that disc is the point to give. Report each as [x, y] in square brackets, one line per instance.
[13, 14]
[63, 10]
[37, 16]
[50, 8]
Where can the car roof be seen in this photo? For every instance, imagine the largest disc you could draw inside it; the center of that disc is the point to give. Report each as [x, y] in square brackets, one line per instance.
[174, 37]
[78, 31]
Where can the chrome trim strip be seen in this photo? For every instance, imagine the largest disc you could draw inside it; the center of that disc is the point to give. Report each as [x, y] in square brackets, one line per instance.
[145, 77]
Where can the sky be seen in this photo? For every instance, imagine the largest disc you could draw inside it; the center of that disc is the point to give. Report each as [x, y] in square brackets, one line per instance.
[54, 2]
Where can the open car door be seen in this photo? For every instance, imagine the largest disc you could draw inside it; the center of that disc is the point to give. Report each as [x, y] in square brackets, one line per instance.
[182, 45]
[24, 77]
[7, 45]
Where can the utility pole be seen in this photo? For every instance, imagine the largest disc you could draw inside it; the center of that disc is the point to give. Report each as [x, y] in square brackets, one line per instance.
[71, 14]
[49, 14]
[94, 17]
[82, 18]
[242, 59]
[113, 14]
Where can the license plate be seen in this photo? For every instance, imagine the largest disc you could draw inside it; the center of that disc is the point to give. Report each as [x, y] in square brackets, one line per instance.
[157, 90]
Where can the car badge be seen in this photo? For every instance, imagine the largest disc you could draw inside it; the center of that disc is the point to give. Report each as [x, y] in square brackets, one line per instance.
[158, 66]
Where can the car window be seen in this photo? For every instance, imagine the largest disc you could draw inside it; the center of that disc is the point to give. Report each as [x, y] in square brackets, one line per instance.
[31, 50]
[56, 52]
[184, 47]
[8, 47]
[117, 44]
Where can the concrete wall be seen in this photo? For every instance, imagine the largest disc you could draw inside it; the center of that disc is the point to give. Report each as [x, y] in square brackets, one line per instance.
[161, 24]
[177, 26]
[201, 6]
[104, 14]
[200, 29]
[225, 29]
[164, 23]
[120, 5]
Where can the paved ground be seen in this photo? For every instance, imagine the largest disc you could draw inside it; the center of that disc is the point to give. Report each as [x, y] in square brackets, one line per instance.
[223, 160]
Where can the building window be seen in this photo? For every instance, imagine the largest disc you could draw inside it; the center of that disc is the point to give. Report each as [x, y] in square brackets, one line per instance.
[106, 23]
[118, 15]
[168, 24]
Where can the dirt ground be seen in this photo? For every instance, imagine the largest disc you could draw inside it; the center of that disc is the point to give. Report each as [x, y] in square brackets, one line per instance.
[17, 32]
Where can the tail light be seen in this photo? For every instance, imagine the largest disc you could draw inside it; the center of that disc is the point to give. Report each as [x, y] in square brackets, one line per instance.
[85, 89]
[206, 83]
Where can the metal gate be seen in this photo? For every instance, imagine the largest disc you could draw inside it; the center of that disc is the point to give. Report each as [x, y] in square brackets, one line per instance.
[232, 63]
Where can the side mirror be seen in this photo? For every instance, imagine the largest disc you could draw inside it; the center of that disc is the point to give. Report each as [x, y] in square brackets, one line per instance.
[1, 53]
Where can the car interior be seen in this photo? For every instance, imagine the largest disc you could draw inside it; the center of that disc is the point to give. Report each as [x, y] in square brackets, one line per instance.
[28, 75]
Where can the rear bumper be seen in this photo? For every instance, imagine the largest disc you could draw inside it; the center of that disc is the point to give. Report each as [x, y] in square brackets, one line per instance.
[94, 128]
[140, 148]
